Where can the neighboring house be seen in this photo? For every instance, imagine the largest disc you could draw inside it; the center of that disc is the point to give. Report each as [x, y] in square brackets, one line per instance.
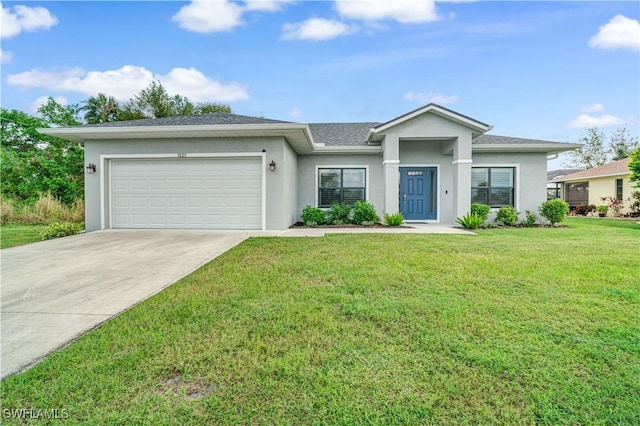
[554, 187]
[587, 186]
[226, 171]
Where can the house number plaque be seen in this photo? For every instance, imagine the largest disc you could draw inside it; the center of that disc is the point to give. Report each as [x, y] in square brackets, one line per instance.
[182, 155]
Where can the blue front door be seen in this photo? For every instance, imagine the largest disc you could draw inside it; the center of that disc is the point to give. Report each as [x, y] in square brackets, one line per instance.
[418, 193]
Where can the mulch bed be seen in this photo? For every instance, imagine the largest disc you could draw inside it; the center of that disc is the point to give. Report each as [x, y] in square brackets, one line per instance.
[350, 225]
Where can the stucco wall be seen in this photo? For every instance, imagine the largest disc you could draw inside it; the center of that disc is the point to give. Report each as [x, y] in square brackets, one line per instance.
[530, 176]
[281, 188]
[606, 187]
[307, 189]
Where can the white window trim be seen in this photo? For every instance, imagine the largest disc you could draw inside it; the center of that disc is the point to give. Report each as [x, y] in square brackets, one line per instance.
[104, 161]
[439, 201]
[349, 166]
[516, 189]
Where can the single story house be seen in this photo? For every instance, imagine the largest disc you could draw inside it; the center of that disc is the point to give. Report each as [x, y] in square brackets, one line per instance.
[227, 171]
[554, 187]
[587, 186]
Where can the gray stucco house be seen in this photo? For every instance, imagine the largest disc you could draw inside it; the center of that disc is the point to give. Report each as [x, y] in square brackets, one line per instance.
[226, 171]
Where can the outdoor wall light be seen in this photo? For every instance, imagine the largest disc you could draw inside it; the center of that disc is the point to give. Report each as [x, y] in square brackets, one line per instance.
[91, 168]
[272, 166]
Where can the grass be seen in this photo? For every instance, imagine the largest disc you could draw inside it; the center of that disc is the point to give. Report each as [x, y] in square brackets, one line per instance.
[43, 211]
[18, 234]
[512, 326]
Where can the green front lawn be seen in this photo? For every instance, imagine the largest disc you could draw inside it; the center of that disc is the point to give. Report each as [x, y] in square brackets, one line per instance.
[17, 234]
[512, 326]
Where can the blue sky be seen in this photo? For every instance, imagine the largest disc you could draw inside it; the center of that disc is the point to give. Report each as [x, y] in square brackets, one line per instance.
[545, 70]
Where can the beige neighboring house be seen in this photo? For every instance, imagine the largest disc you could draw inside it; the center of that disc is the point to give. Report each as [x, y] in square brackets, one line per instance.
[587, 186]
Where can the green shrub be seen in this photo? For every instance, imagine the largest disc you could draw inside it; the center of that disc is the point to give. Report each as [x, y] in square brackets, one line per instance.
[530, 219]
[363, 211]
[339, 214]
[555, 211]
[634, 203]
[507, 215]
[482, 210]
[395, 219]
[57, 230]
[313, 216]
[470, 221]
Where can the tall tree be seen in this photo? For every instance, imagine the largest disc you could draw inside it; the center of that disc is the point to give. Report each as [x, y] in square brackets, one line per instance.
[153, 101]
[212, 107]
[621, 143]
[33, 163]
[634, 166]
[592, 153]
[100, 109]
[57, 114]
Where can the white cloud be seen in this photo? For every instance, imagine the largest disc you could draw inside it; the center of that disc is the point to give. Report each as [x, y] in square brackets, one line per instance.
[404, 11]
[315, 29]
[128, 80]
[17, 19]
[592, 108]
[586, 121]
[212, 16]
[619, 33]
[5, 56]
[43, 100]
[427, 98]
[207, 17]
[295, 112]
[120, 83]
[196, 86]
[265, 5]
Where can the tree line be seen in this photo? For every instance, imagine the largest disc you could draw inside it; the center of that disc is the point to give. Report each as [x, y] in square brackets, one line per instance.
[597, 151]
[32, 164]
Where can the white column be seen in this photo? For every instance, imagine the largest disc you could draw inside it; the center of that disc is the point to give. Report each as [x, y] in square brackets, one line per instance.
[462, 176]
[391, 164]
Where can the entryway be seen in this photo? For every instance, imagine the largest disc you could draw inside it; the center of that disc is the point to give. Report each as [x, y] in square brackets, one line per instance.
[419, 193]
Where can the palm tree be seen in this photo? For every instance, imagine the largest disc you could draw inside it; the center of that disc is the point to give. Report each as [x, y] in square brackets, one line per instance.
[100, 109]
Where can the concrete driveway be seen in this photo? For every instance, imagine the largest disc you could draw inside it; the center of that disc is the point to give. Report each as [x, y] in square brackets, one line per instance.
[54, 291]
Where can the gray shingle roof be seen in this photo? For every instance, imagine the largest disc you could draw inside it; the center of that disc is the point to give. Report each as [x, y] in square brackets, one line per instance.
[507, 140]
[329, 134]
[190, 120]
[552, 174]
[337, 134]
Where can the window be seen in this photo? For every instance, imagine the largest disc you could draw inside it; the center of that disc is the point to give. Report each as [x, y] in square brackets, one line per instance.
[619, 189]
[492, 186]
[577, 193]
[341, 186]
[554, 190]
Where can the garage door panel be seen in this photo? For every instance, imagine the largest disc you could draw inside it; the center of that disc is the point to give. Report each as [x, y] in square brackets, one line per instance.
[157, 220]
[187, 193]
[177, 203]
[176, 184]
[157, 202]
[139, 202]
[120, 184]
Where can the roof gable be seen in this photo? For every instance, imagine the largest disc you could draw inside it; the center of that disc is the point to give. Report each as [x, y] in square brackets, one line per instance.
[476, 126]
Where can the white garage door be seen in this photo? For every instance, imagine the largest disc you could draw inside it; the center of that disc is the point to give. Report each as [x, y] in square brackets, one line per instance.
[220, 193]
